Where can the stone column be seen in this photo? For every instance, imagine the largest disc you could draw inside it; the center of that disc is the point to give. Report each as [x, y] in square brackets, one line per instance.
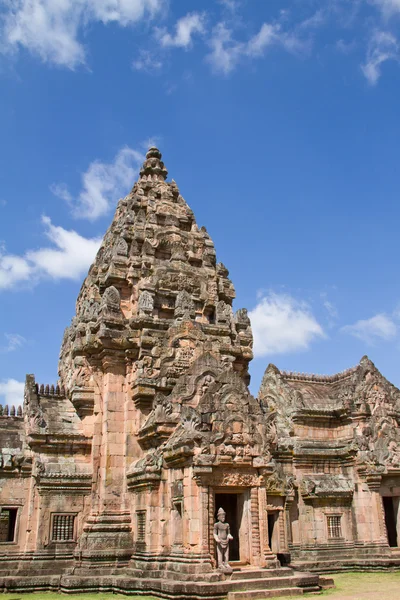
[211, 518]
[282, 532]
[269, 559]
[287, 507]
[379, 532]
[204, 519]
[107, 535]
[255, 526]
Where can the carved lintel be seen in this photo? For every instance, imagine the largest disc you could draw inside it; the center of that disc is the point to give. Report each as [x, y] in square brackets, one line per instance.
[216, 477]
[60, 483]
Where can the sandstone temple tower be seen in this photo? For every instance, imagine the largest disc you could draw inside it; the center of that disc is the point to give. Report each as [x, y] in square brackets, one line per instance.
[112, 479]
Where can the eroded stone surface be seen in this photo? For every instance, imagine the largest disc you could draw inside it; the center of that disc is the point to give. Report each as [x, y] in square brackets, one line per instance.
[121, 467]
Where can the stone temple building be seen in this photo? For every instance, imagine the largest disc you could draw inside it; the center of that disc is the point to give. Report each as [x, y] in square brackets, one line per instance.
[112, 479]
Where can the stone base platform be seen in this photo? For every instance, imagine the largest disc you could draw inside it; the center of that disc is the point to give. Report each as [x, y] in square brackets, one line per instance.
[336, 558]
[243, 584]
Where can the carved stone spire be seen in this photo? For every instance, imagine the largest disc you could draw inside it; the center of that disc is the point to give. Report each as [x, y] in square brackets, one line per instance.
[155, 293]
[153, 168]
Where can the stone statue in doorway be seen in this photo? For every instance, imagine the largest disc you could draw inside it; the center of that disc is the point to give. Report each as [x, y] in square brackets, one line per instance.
[222, 536]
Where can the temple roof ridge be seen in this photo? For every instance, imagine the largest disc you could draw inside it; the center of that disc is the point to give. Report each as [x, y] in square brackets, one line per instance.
[318, 378]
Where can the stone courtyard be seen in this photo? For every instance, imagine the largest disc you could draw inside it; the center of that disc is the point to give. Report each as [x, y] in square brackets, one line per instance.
[113, 478]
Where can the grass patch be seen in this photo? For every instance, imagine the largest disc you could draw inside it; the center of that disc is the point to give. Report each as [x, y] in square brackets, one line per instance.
[360, 586]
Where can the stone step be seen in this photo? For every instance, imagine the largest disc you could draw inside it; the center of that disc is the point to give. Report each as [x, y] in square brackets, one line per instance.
[249, 589]
[261, 573]
[165, 574]
[261, 594]
[347, 564]
[273, 582]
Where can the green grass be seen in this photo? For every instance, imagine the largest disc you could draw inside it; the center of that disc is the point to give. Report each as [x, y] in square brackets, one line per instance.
[360, 586]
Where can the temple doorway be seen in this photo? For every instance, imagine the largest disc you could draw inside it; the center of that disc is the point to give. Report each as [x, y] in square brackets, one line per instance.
[233, 505]
[272, 519]
[390, 519]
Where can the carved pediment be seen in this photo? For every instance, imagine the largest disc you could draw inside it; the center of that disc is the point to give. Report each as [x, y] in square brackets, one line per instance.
[160, 424]
[277, 482]
[326, 486]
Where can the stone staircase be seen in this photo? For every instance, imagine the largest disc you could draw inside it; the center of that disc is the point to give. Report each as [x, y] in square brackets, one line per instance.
[256, 584]
[245, 583]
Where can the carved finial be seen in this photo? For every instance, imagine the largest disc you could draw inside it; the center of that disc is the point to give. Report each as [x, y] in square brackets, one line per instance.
[153, 168]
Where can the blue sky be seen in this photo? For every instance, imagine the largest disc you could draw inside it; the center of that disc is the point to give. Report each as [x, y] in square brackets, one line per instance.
[279, 121]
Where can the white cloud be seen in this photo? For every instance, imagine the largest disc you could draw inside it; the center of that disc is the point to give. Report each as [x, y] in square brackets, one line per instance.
[329, 307]
[316, 20]
[102, 184]
[13, 269]
[382, 46]
[69, 257]
[282, 324]
[50, 29]
[345, 47]
[388, 7]
[14, 341]
[12, 392]
[265, 37]
[226, 52]
[230, 5]
[147, 61]
[185, 28]
[61, 191]
[377, 328]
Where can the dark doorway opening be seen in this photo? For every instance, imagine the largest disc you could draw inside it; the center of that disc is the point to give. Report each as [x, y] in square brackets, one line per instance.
[271, 525]
[390, 520]
[229, 502]
[8, 519]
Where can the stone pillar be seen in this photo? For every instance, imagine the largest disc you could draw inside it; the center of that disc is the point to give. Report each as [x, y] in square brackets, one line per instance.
[204, 519]
[107, 533]
[379, 525]
[211, 518]
[282, 532]
[255, 527]
[288, 529]
[269, 559]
